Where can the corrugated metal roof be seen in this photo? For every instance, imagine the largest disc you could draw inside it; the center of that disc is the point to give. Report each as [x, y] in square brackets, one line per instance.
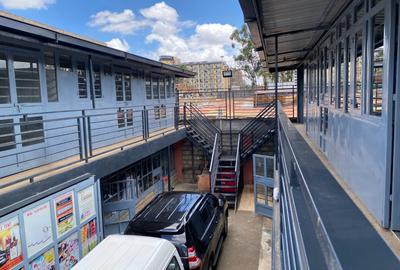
[297, 24]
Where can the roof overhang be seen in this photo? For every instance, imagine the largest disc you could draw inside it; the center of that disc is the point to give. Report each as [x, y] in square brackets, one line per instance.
[296, 26]
[49, 35]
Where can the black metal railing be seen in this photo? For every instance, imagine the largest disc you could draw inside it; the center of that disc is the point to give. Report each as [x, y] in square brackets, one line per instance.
[258, 130]
[239, 103]
[214, 163]
[202, 126]
[62, 138]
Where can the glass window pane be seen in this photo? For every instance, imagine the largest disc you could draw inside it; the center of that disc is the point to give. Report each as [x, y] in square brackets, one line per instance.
[121, 119]
[65, 62]
[359, 12]
[51, 77]
[32, 130]
[349, 72]
[148, 87]
[377, 69]
[27, 79]
[127, 85]
[82, 80]
[260, 166]
[4, 81]
[118, 87]
[341, 75]
[359, 67]
[97, 81]
[156, 93]
[162, 88]
[7, 135]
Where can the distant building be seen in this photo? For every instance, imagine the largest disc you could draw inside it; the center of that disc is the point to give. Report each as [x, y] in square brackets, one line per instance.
[170, 60]
[208, 76]
[237, 80]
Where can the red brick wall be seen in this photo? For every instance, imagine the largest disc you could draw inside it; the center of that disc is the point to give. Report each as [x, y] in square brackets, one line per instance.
[248, 172]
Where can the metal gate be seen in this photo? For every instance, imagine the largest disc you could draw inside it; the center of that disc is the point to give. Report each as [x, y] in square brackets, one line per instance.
[263, 172]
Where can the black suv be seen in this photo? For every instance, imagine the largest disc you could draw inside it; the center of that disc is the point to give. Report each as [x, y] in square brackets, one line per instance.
[196, 223]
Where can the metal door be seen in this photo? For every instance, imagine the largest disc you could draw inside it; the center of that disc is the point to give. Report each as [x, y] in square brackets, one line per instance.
[263, 172]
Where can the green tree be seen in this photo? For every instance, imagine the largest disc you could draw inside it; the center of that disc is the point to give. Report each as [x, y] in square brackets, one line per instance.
[247, 58]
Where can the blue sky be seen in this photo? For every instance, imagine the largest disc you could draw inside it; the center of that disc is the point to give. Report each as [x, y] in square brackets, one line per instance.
[190, 29]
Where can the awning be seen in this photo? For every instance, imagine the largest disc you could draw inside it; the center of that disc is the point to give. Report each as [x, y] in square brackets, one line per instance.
[298, 25]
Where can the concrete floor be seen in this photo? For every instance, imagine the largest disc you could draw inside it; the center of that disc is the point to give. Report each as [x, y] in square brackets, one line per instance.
[248, 245]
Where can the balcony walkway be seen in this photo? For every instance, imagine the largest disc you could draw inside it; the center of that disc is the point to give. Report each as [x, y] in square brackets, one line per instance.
[21, 179]
[343, 230]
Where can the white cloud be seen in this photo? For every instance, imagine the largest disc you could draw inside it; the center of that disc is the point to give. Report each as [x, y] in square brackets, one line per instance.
[208, 42]
[123, 23]
[119, 44]
[26, 4]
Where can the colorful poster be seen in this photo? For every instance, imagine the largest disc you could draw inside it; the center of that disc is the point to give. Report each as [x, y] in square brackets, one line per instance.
[38, 232]
[88, 237]
[44, 262]
[65, 213]
[68, 252]
[86, 204]
[10, 244]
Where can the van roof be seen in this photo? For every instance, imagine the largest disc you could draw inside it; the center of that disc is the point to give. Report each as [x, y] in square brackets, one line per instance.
[125, 252]
[166, 213]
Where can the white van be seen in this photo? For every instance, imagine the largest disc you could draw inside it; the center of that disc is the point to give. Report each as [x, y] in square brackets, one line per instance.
[130, 252]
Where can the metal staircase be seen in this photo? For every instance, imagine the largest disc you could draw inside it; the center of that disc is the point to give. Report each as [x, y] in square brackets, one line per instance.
[258, 131]
[225, 176]
[200, 130]
[225, 169]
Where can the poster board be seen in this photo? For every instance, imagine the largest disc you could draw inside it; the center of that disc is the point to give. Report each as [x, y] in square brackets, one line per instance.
[86, 204]
[10, 244]
[68, 252]
[64, 213]
[46, 261]
[38, 229]
[89, 236]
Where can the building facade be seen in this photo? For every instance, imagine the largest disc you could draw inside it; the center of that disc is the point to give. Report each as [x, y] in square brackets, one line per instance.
[97, 127]
[208, 76]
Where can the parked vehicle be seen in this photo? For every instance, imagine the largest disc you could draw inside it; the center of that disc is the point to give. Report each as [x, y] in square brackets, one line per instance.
[196, 223]
[127, 252]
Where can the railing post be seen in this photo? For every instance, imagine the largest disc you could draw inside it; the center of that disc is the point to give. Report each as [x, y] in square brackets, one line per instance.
[78, 123]
[184, 114]
[293, 101]
[176, 114]
[85, 135]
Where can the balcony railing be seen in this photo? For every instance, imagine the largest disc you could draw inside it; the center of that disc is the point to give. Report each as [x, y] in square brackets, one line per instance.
[224, 103]
[320, 226]
[54, 140]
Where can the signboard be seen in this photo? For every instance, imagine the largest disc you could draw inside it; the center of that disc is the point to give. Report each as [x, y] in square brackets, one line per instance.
[38, 232]
[86, 204]
[68, 252]
[65, 213]
[10, 244]
[46, 261]
[227, 73]
[88, 237]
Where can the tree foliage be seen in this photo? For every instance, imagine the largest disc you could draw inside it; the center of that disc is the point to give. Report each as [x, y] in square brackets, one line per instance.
[247, 59]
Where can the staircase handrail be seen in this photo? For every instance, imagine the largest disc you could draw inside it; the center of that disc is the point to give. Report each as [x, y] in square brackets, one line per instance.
[214, 161]
[237, 168]
[265, 113]
[198, 112]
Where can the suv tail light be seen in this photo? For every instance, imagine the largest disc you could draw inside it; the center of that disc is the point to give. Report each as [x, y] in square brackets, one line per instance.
[194, 261]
